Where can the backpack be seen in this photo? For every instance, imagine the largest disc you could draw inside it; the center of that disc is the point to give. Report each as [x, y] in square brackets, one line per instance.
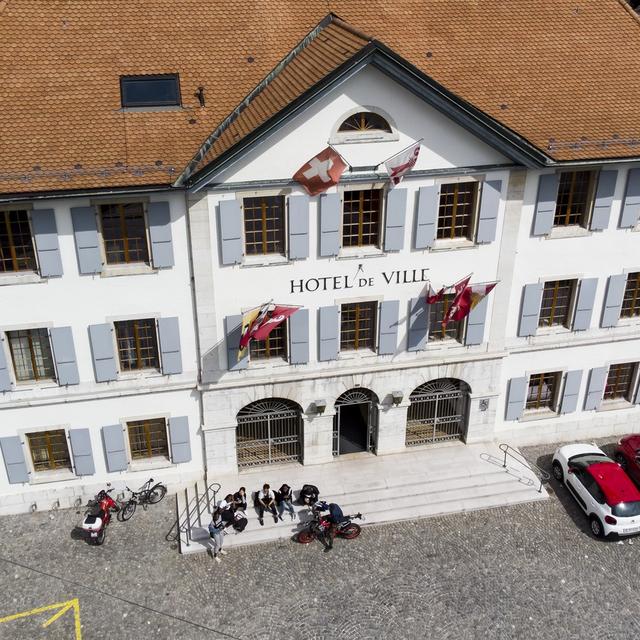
[309, 493]
[335, 513]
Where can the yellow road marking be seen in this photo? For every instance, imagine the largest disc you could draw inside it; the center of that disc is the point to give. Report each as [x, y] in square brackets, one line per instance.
[63, 608]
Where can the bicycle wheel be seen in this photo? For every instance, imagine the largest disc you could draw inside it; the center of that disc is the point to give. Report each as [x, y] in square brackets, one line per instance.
[351, 532]
[128, 510]
[156, 493]
[305, 537]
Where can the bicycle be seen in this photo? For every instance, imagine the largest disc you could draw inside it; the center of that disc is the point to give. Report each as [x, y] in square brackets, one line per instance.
[147, 494]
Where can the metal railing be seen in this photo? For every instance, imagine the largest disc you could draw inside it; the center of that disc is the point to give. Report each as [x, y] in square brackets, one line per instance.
[510, 451]
[193, 512]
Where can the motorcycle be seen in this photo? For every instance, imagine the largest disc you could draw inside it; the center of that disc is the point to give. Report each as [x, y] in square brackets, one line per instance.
[321, 525]
[98, 516]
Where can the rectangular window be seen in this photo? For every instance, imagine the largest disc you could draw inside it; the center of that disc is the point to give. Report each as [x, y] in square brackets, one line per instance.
[275, 346]
[619, 381]
[358, 326]
[49, 450]
[150, 91]
[264, 225]
[124, 233]
[575, 197]
[631, 300]
[542, 391]
[437, 312]
[137, 344]
[31, 354]
[148, 438]
[16, 243]
[557, 297]
[456, 211]
[361, 215]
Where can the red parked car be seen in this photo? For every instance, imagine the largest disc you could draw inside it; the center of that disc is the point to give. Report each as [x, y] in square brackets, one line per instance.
[627, 455]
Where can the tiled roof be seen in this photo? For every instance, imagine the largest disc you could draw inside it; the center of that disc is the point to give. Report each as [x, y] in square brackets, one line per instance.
[564, 75]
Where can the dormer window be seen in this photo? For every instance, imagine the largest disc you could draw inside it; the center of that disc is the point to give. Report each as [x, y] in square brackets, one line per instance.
[150, 91]
[364, 125]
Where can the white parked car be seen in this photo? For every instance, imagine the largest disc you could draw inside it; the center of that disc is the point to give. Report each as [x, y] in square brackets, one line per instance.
[601, 488]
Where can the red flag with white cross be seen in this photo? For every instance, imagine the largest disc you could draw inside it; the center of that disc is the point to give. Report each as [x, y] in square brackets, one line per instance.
[321, 172]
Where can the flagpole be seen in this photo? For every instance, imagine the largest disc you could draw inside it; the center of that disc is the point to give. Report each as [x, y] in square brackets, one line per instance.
[413, 144]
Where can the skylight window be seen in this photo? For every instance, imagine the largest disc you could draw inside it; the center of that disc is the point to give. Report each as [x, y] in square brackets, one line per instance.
[150, 91]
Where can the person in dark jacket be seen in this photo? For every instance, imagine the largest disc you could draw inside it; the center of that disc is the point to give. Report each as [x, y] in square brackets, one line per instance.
[240, 499]
[284, 500]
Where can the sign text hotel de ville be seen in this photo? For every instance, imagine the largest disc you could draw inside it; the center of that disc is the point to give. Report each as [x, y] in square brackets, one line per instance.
[333, 283]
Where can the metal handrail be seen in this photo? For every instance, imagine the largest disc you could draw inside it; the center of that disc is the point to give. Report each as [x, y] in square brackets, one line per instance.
[541, 474]
[195, 512]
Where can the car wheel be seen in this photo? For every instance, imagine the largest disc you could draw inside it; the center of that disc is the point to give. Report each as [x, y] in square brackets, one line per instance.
[596, 527]
[621, 460]
[557, 472]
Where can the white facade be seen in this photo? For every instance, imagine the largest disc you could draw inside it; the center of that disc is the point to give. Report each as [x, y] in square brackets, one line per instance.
[80, 300]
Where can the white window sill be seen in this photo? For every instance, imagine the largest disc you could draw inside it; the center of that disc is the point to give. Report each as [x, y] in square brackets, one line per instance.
[267, 363]
[20, 277]
[264, 260]
[42, 477]
[445, 343]
[112, 271]
[453, 244]
[148, 464]
[139, 374]
[349, 253]
[614, 405]
[32, 385]
[357, 354]
[629, 322]
[570, 231]
[357, 138]
[557, 329]
[531, 415]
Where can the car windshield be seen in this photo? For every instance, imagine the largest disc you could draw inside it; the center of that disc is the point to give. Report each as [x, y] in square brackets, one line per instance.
[583, 460]
[626, 509]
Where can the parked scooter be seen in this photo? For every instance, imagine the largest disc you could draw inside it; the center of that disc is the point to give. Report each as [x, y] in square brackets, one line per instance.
[321, 525]
[98, 516]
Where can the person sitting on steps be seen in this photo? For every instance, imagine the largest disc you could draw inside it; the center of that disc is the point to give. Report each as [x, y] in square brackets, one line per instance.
[240, 499]
[265, 501]
[227, 508]
[284, 500]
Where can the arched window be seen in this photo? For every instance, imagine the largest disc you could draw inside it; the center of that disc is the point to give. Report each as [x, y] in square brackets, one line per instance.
[364, 122]
[269, 432]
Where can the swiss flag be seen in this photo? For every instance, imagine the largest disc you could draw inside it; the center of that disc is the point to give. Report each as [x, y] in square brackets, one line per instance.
[321, 172]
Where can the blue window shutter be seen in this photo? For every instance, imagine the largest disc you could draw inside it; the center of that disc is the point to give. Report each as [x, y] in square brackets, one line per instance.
[299, 337]
[604, 199]
[427, 216]
[546, 204]
[65, 355]
[298, 227]
[613, 300]
[230, 219]
[396, 214]
[595, 388]
[159, 215]
[475, 323]
[330, 211]
[45, 233]
[233, 330]
[488, 214]
[14, 461]
[636, 397]
[114, 449]
[329, 333]
[82, 453]
[631, 202]
[418, 324]
[571, 390]
[530, 313]
[516, 397]
[584, 304]
[388, 327]
[85, 232]
[169, 334]
[104, 361]
[5, 376]
[180, 441]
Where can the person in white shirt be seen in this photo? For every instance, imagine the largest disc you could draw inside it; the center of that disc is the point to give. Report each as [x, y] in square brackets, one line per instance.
[266, 501]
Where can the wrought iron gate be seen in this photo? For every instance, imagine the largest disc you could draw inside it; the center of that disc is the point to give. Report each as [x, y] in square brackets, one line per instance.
[269, 432]
[358, 396]
[438, 412]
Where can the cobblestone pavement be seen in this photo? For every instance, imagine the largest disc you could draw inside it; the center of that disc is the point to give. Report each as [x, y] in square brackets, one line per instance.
[529, 571]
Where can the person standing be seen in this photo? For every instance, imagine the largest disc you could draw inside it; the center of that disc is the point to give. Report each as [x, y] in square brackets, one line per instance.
[265, 501]
[216, 535]
[284, 500]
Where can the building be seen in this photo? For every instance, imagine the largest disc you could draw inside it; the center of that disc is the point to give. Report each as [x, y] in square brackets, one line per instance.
[528, 175]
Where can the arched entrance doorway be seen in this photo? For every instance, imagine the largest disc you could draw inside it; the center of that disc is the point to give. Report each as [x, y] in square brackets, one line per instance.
[269, 432]
[438, 412]
[355, 425]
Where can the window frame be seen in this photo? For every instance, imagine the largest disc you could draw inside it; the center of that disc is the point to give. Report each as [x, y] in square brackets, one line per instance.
[38, 380]
[553, 406]
[152, 459]
[635, 298]
[632, 383]
[460, 325]
[277, 255]
[572, 298]
[137, 370]
[474, 215]
[357, 137]
[151, 78]
[373, 346]
[284, 328]
[113, 267]
[4, 211]
[359, 248]
[65, 470]
[589, 204]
